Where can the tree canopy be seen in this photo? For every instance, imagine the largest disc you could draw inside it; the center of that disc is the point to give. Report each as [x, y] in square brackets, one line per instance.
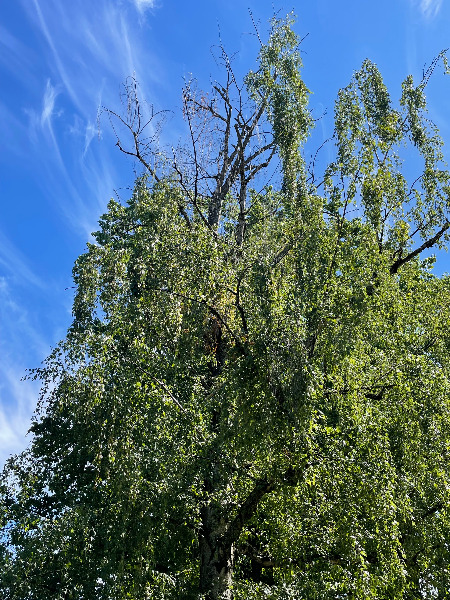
[253, 399]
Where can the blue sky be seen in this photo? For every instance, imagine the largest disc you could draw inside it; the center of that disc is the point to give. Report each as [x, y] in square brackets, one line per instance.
[60, 61]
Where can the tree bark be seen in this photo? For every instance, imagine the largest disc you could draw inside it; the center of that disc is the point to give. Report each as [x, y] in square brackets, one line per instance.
[216, 557]
[217, 540]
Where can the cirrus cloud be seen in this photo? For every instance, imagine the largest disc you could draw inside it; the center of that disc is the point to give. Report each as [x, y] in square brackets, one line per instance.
[142, 5]
[430, 8]
[48, 103]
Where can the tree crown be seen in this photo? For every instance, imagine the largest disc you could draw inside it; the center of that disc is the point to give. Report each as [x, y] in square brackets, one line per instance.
[253, 397]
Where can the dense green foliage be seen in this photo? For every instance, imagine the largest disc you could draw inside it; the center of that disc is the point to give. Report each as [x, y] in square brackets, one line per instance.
[253, 400]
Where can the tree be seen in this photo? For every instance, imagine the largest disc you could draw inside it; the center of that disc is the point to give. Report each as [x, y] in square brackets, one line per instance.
[253, 398]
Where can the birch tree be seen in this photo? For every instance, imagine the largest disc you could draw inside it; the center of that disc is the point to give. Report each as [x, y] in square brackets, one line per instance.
[252, 400]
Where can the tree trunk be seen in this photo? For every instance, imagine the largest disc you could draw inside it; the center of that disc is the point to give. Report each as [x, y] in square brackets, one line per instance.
[217, 539]
[216, 557]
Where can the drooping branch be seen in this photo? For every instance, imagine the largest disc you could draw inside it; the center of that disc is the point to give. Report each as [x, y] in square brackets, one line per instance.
[240, 307]
[249, 506]
[247, 509]
[428, 244]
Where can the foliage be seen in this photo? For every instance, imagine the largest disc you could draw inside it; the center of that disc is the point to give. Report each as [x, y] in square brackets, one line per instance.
[253, 398]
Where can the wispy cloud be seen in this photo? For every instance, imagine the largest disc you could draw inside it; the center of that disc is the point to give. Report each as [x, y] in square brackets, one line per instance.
[48, 104]
[143, 5]
[17, 404]
[17, 397]
[91, 54]
[17, 58]
[56, 55]
[88, 49]
[81, 54]
[430, 8]
[14, 263]
[89, 134]
[40, 128]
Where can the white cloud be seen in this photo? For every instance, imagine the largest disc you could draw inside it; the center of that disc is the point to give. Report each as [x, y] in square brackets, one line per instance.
[142, 5]
[92, 52]
[430, 8]
[40, 124]
[48, 104]
[17, 58]
[17, 397]
[58, 61]
[17, 404]
[89, 134]
[85, 51]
